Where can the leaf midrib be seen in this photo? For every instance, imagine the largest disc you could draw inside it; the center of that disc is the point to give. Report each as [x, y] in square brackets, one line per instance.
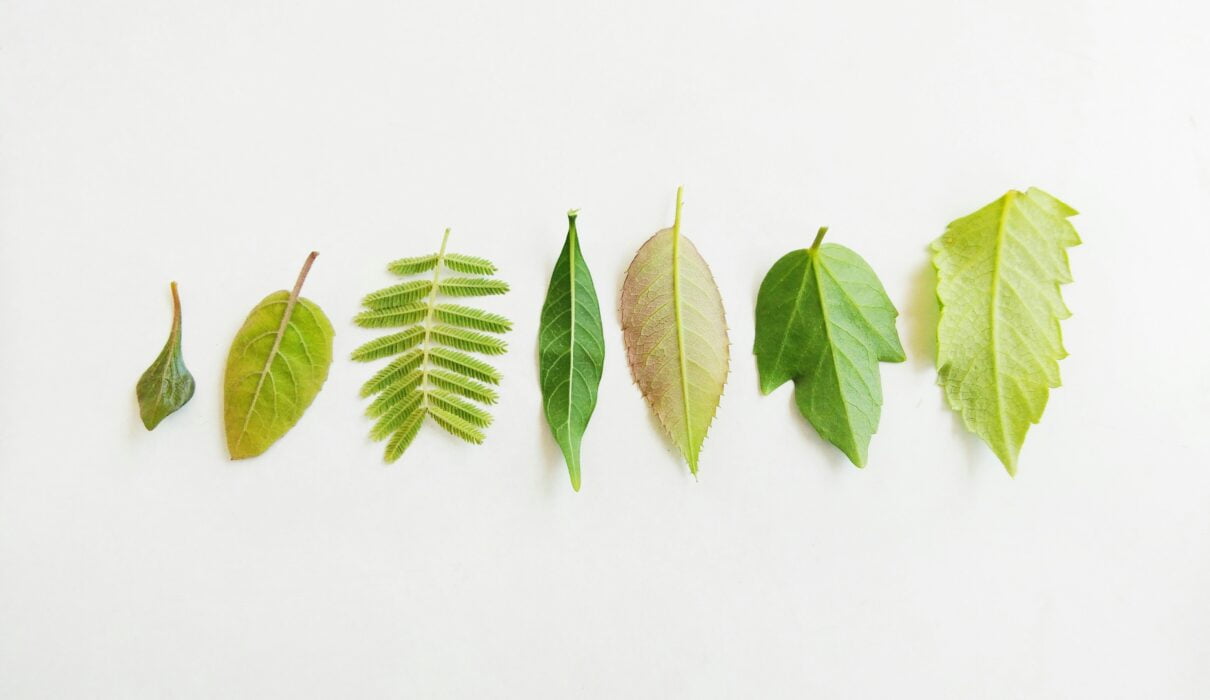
[425, 365]
[816, 268]
[691, 454]
[571, 359]
[992, 313]
[277, 338]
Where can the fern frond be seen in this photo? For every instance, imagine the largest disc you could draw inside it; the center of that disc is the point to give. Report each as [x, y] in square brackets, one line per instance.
[392, 316]
[469, 264]
[413, 266]
[459, 407]
[398, 294]
[392, 395]
[462, 363]
[467, 317]
[468, 340]
[386, 376]
[392, 419]
[463, 386]
[388, 345]
[472, 287]
[404, 435]
[456, 426]
[433, 373]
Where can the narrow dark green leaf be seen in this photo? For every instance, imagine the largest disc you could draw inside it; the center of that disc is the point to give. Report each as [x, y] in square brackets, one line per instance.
[571, 350]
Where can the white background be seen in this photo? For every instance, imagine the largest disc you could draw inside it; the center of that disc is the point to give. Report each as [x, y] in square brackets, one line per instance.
[216, 143]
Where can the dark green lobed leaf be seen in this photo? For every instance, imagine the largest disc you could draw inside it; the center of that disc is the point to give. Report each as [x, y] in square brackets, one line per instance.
[824, 321]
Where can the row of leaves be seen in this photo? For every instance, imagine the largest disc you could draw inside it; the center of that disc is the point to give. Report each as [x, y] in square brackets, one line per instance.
[823, 321]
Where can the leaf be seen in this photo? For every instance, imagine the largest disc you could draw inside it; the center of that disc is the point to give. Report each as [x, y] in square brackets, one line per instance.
[571, 350]
[167, 384]
[277, 364]
[676, 336]
[824, 321]
[413, 266]
[472, 287]
[998, 338]
[432, 375]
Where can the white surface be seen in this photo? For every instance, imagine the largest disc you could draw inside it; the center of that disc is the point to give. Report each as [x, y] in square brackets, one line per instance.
[217, 143]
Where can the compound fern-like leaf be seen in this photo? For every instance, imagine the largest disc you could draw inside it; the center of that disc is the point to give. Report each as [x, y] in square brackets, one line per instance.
[277, 364]
[167, 384]
[824, 321]
[571, 350]
[676, 336]
[998, 338]
[434, 373]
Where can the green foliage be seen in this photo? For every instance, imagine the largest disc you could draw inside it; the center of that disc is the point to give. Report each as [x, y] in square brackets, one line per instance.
[676, 336]
[571, 350]
[824, 321]
[277, 364]
[432, 374]
[167, 384]
[998, 338]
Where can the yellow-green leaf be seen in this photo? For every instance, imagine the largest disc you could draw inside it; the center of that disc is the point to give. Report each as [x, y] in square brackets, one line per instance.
[277, 364]
[998, 338]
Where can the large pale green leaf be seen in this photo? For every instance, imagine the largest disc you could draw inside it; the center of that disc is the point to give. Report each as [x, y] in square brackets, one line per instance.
[571, 350]
[676, 335]
[824, 321]
[432, 374]
[277, 364]
[998, 339]
[167, 384]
